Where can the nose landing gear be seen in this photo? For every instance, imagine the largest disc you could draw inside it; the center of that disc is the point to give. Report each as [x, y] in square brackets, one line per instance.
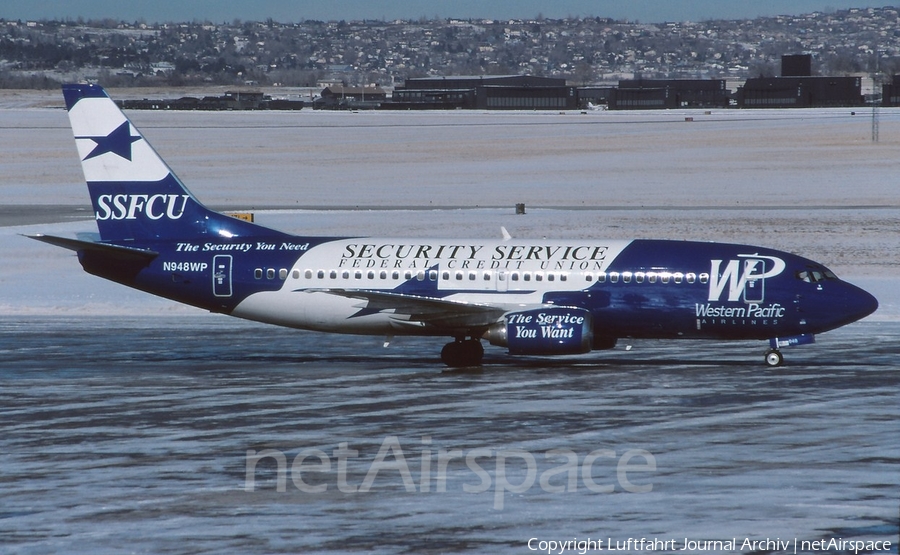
[773, 355]
[774, 358]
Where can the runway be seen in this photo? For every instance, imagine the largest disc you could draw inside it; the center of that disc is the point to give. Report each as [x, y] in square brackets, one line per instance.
[139, 432]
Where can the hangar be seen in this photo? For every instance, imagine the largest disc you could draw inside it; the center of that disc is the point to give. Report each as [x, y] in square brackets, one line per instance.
[800, 92]
[502, 92]
[655, 94]
[890, 92]
[798, 88]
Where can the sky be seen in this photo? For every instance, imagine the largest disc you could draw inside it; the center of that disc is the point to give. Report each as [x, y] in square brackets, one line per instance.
[219, 11]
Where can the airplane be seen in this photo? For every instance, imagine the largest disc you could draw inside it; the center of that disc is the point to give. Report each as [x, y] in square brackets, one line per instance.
[533, 297]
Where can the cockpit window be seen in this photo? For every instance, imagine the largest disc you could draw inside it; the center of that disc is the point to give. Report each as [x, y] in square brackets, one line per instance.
[815, 274]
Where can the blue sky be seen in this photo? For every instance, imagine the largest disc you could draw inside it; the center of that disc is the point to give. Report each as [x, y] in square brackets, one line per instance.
[217, 11]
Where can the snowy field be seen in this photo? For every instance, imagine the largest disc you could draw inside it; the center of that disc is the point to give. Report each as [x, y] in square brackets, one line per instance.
[139, 438]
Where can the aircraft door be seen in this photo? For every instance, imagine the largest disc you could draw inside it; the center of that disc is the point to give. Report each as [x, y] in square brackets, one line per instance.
[755, 286]
[221, 275]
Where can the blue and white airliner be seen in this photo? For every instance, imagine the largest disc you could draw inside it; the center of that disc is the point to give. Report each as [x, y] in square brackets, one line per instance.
[533, 297]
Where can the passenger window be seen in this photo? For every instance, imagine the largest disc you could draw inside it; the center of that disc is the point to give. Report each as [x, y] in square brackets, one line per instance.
[626, 277]
[257, 273]
[383, 275]
[282, 274]
[487, 276]
[420, 275]
[550, 277]
[639, 277]
[514, 276]
[563, 277]
[691, 278]
[526, 276]
[459, 276]
[333, 274]
[704, 278]
[601, 277]
[538, 276]
[678, 277]
[308, 274]
[613, 277]
[472, 276]
[395, 275]
[651, 277]
[432, 275]
[445, 276]
[270, 273]
[346, 275]
[320, 274]
[357, 275]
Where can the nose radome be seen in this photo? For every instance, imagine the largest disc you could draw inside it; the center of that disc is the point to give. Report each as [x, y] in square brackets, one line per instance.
[857, 302]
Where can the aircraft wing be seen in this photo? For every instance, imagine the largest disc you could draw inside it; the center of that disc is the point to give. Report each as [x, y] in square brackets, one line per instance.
[410, 310]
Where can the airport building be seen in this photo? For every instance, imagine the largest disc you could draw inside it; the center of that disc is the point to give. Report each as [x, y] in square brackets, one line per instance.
[800, 92]
[341, 97]
[507, 92]
[797, 88]
[657, 94]
[232, 100]
[890, 92]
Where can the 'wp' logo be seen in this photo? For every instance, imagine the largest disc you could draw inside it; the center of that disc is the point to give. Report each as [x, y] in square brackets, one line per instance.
[129, 207]
[738, 273]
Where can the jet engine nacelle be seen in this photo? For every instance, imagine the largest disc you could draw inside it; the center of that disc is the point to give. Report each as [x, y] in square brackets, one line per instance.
[544, 331]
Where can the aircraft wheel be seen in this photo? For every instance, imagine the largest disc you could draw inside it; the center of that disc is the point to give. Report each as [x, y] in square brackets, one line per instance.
[774, 358]
[474, 352]
[462, 353]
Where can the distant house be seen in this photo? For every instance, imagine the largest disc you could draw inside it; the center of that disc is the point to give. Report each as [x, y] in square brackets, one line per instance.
[162, 67]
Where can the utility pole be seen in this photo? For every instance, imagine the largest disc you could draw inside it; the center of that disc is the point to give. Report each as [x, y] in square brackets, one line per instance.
[875, 100]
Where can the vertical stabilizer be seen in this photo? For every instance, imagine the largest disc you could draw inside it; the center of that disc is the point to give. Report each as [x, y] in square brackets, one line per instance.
[135, 195]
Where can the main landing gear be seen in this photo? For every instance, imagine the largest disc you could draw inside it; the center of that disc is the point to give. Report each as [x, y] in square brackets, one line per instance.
[462, 352]
[774, 358]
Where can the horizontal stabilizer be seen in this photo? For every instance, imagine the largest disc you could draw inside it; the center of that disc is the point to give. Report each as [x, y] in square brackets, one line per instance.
[125, 254]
